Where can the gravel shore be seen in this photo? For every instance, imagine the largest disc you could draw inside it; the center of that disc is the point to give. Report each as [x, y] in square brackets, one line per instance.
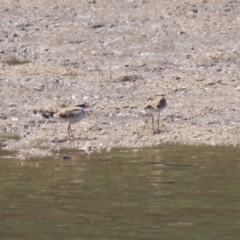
[114, 56]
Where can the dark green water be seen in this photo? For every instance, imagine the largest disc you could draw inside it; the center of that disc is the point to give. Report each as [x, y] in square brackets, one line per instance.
[173, 192]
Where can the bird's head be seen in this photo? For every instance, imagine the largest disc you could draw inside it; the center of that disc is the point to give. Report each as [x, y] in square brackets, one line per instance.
[162, 102]
[83, 105]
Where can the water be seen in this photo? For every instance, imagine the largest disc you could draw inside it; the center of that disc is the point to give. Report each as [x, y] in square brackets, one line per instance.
[172, 192]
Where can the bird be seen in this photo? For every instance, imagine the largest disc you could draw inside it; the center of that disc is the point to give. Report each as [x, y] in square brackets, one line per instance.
[155, 105]
[71, 114]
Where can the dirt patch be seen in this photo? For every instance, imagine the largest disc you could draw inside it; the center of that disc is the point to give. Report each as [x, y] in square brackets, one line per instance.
[114, 56]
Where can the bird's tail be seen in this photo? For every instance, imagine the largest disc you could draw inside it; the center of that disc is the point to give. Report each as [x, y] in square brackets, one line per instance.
[48, 112]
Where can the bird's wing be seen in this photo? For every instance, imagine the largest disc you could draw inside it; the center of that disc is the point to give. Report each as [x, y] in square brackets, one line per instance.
[151, 102]
[148, 105]
[70, 112]
[48, 112]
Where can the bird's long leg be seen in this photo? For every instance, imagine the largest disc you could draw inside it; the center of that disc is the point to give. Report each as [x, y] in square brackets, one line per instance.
[70, 133]
[158, 122]
[152, 122]
[150, 115]
[70, 130]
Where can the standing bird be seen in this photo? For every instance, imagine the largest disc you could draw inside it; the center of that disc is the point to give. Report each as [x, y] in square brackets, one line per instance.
[72, 114]
[155, 105]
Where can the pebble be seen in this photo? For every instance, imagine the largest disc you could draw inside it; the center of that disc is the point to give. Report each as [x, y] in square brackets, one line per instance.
[67, 158]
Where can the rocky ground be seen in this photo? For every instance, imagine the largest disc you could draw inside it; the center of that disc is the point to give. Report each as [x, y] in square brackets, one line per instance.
[113, 55]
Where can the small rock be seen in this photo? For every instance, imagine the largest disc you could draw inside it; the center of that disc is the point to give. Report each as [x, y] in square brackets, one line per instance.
[95, 26]
[40, 88]
[14, 118]
[67, 158]
[132, 78]
[135, 150]
[23, 158]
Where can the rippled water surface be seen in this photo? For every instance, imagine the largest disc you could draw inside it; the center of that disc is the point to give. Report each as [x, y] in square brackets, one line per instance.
[172, 192]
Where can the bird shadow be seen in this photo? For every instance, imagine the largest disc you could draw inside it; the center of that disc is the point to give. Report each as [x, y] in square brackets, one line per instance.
[157, 132]
[67, 140]
[60, 140]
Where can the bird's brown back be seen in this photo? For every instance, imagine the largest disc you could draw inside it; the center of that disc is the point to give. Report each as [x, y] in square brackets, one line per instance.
[158, 102]
[48, 112]
[69, 112]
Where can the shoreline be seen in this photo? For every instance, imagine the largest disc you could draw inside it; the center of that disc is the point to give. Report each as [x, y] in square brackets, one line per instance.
[114, 56]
